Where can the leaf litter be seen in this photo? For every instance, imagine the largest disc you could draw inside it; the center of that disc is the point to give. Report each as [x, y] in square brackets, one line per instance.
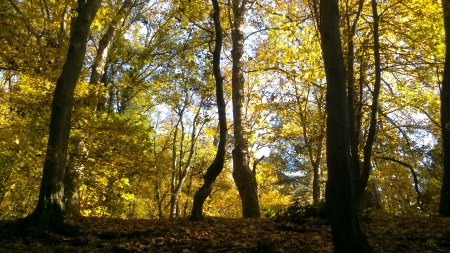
[384, 233]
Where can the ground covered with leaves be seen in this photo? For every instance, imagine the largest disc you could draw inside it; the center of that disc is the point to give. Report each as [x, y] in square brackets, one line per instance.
[385, 234]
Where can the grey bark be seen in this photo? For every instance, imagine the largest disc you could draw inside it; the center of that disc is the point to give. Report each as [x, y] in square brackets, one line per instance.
[65, 17]
[106, 41]
[244, 178]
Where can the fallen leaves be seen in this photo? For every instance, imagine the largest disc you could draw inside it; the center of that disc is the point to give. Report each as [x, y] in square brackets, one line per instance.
[385, 234]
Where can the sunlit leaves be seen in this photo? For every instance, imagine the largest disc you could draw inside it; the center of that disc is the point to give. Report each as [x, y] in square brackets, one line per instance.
[160, 61]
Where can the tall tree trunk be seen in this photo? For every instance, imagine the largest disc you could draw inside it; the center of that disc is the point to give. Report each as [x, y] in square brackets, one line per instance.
[340, 198]
[173, 185]
[367, 164]
[314, 157]
[444, 208]
[217, 166]
[317, 161]
[75, 169]
[354, 130]
[48, 214]
[244, 178]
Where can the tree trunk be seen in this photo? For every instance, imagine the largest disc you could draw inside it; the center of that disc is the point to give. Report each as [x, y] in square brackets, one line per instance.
[65, 17]
[316, 184]
[315, 155]
[372, 197]
[173, 185]
[354, 130]
[72, 179]
[444, 208]
[74, 171]
[217, 166]
[367, 164]
[179, 177]
[244, 178]
[48, 214]
[105, 43]
[340, 198]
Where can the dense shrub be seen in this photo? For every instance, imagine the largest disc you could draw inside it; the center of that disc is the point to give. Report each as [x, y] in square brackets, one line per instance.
[297, 211]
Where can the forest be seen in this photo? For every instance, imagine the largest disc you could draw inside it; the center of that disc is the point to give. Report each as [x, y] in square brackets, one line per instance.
[238, 111]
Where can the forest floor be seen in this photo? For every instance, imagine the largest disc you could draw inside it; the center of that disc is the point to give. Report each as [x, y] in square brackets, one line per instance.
[385, 234]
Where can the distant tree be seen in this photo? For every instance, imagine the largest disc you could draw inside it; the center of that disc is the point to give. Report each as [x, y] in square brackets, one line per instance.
[49, 212]
[340, 196]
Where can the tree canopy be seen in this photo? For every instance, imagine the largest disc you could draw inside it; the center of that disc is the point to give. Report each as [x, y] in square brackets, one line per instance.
[144, 126]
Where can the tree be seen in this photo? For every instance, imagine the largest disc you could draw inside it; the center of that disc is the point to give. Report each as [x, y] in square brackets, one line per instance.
[355, 122]
[180, 166]
[49, 212]
[217, 166]
[243, 176]
[340, 196]
[444, 207]
[363, 178]
[75, 168]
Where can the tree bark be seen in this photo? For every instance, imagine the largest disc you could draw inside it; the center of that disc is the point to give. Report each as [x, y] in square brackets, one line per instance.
[105, 43]
[316, 157]
[73, 177]
[75, 169]
[173, 185]
[48, 214]
[244, 178]
[340, 198]
[444, 207]
[354, 130]
[217, 166]
[367, 164]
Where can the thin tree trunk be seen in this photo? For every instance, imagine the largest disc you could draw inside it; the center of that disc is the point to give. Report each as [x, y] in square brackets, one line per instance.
[105, 43]
[65, 17]
[244, 178]
[315, 160]
[189, 188]
[367, 164]
[354, 131]
[217, 166]
[316, 184]
[173, 198]
[48, 214]
[183, 172]
[340, 198]
[444, 207]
